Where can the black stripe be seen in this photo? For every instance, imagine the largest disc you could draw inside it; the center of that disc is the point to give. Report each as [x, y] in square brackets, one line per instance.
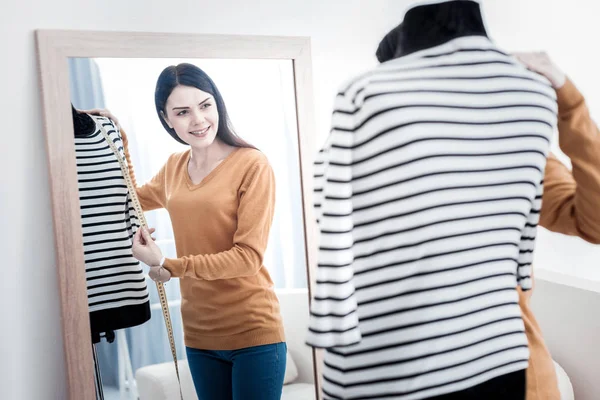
[97, 303]
[121, 230]
[389, 80]
[103, 196]
[120, 265]
[117, 283]
[412, 212]
[434, 272]
[401, 327]
[96, 149]
[119, 257]
[413, 178]
[367, 74]
[466, 50]
[112, 155]
[442, 155]
[400, 279]
[398, 362]
[98, 188]
[105, 214]
[417, 227]
[329, 315]
[397, 345]
[410, 292]
[396, 394]
[100, 205]
[106, 241]
[439, 122]
[111, 249]
[430, 256]
[429, 289]
[109, 178]
[98, 163]
[99, 171]
[465, 92]
[449, 106]
[390, 70]
[382, 250]
[115, 274]
[443, 138]
[420, 374]
[389, 249]
[83, 142]
[117, 291]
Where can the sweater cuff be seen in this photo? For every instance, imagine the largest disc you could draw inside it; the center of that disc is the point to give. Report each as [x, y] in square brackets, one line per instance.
[174, 266]
[568, 97]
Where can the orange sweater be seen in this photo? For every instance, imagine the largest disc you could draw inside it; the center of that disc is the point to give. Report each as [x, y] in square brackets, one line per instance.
[221, 228]
[569, 206]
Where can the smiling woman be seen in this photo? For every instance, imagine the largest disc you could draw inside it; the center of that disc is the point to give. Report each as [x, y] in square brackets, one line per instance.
[220, 194]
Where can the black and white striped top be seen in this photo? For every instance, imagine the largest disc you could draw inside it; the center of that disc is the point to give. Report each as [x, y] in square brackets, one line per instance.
[114, 278]
[428, 193]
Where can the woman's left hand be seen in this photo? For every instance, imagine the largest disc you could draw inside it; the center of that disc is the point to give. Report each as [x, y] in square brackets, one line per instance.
[159, 274]
[144, 249]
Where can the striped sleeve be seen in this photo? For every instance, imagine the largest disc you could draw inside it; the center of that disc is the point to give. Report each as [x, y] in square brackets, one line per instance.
[527, 244]
[333, 314]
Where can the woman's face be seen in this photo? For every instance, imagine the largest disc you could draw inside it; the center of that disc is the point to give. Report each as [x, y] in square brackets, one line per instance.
[193, 115]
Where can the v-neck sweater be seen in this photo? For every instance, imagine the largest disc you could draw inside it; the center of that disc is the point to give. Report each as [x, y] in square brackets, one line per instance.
[221, 228]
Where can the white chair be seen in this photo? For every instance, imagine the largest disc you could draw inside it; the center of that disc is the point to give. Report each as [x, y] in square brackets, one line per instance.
[159, 382]
[564, 383]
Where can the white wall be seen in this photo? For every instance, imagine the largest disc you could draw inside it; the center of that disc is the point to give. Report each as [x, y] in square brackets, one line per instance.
[570, 323]
[344, 34]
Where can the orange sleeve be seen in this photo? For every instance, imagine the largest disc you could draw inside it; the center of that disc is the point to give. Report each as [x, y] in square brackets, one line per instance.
[254, 218]
[571, 198]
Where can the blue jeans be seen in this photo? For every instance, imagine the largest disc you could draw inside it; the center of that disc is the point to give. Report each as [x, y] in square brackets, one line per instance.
[253, 373]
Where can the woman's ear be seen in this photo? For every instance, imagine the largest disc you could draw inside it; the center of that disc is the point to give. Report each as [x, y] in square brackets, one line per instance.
[162, 114]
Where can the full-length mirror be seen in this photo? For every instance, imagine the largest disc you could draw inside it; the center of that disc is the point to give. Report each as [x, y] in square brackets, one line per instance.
[189, 185]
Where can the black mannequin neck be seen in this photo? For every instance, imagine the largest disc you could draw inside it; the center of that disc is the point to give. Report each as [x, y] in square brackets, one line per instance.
[431, 25]
[83, 124]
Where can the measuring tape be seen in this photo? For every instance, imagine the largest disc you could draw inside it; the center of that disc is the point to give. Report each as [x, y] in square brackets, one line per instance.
[143, 224]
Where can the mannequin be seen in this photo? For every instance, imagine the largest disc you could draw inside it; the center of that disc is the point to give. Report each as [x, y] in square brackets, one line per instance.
[105, 320]
[117, 292]
[431, 25]
[420, 162]
[83, 124]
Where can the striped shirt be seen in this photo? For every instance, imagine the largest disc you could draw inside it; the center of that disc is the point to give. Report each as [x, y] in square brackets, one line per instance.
[114, 277]
[427, 194]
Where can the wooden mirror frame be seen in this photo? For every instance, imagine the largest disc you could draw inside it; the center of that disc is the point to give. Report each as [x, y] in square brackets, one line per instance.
[54, 48]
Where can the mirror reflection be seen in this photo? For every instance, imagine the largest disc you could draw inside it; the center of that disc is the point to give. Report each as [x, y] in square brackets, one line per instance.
[208, 148]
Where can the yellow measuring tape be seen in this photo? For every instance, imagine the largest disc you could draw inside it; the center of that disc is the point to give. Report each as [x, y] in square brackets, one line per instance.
[142, 219]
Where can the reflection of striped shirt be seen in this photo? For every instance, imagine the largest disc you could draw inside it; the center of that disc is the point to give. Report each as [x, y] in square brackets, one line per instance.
[114, 277]
[428, 194]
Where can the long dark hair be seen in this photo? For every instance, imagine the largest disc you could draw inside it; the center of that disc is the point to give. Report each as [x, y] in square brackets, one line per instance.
[190, 75]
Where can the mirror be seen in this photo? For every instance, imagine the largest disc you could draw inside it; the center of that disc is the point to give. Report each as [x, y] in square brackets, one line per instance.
[213, 150]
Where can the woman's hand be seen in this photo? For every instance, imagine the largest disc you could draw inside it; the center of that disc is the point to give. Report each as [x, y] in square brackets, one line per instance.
[103, 113]
[144, 249]
[541, 63]
[159, 274]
